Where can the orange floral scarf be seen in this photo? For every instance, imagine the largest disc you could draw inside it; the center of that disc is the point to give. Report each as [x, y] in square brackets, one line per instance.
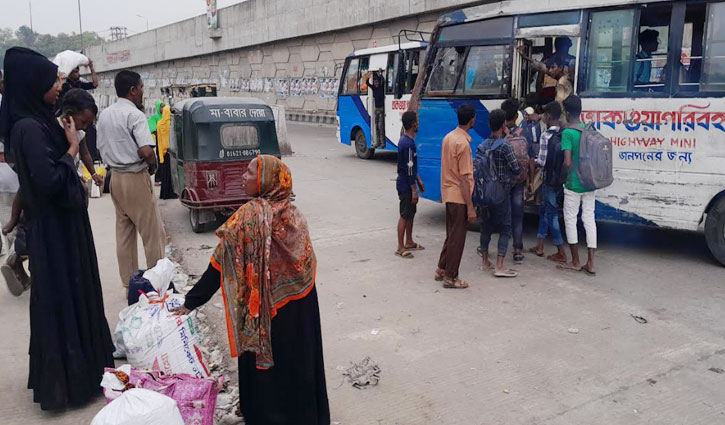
[266, 260]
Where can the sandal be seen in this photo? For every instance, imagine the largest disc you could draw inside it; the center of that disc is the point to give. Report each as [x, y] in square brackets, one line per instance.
[518, 258]
[455, 284]
[415, 247]
[506, 273]
[439, 275]
[535, 252]
[404, 254]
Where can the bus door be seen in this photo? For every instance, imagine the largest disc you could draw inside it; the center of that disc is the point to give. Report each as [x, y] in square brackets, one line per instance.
[377, 62]
[546, 56]
[403, 69]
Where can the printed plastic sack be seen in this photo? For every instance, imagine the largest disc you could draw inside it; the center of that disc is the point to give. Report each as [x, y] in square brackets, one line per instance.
[195, 397]
[67, 60]
[152, 337]
[140, 407]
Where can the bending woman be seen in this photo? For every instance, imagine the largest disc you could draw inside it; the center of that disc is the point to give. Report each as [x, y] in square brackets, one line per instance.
[265, 266]
[70, 343]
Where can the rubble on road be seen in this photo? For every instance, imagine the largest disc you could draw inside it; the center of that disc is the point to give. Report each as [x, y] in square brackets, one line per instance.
[363, 374]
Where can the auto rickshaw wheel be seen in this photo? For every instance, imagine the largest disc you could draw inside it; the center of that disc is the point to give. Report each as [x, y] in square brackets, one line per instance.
[361, 146]
[195, 220]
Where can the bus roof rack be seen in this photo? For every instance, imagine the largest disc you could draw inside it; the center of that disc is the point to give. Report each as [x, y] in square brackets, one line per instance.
[417, 36]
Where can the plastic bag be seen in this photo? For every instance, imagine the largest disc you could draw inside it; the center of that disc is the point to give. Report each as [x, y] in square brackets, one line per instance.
[152, 337]
[67, 60]
[196, 398]
[140, 407]
[160, 275]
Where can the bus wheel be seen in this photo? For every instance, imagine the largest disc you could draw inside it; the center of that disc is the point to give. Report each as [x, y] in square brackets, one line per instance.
[195, 220]
[361, 146]
[715, 230]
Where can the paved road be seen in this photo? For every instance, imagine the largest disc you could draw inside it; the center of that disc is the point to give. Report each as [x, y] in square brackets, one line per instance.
[496, 353]
[499, 352]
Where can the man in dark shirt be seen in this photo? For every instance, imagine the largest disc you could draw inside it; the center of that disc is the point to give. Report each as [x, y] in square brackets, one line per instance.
[407, 184]
[377, 85]
[74, 82]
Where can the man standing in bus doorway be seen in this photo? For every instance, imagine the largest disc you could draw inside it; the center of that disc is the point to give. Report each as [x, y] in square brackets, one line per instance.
[407, 184]
[575, 194]
[377, 85]
[514, 134]
[456, 193]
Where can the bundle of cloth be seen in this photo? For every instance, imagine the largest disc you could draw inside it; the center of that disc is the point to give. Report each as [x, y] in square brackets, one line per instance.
[68, 60]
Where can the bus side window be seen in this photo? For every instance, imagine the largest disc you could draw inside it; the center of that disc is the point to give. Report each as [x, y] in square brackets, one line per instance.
[650, 61]
[610, 49]
[364, 65]
[412, 68]
[390, 72]
[702, 58]
[351, 77]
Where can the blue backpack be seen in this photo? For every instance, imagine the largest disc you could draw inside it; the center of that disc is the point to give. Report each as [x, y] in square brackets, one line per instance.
[488, 189]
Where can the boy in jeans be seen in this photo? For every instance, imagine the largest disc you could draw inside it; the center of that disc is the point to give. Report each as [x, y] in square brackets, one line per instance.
[551, 187]
[499, 217]
[575, 194]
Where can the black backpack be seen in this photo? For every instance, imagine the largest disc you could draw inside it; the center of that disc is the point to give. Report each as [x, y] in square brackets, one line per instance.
[488, 189]
[554, 174]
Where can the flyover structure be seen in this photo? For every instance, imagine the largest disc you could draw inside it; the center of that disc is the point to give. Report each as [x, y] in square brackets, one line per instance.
[286, 52]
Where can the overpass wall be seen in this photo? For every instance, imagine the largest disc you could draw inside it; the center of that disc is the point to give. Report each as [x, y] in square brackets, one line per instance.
[287, 52]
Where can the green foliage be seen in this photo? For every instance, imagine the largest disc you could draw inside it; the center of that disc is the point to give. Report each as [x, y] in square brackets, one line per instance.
[47, 44]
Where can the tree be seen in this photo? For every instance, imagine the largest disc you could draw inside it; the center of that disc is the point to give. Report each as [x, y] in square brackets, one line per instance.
[46, 44]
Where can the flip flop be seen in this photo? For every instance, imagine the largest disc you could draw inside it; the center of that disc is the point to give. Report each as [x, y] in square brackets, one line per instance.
[535, 252]
[416, 247]
[507, 273]
[455, 284]
[404, 254]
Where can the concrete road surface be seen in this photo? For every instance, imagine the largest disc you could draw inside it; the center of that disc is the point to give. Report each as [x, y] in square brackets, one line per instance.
[499, 352]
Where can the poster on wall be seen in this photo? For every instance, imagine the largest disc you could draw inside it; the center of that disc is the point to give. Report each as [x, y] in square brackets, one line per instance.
[211, 14]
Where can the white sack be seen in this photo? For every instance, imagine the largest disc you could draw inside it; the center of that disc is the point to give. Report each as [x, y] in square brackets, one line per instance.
[140, 407]
[152, 337]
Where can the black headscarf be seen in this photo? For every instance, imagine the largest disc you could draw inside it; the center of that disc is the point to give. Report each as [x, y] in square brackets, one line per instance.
[28, 76]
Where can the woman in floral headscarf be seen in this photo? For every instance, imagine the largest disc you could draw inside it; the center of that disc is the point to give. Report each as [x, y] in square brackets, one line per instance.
[265, 266]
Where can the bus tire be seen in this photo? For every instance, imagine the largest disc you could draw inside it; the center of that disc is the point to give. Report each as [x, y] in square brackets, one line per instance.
[362, 149]
[715, 230]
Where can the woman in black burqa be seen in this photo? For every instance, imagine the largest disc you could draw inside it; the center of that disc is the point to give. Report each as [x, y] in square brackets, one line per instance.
[70, 342]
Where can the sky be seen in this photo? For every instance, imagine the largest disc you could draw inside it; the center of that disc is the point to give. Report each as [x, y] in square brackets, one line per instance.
[54, 16]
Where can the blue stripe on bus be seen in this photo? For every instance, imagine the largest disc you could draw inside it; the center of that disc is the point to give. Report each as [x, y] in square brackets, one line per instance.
[606, 212]
[437, 118]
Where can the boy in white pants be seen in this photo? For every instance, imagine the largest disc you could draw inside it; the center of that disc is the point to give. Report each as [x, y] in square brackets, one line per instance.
[575, 194]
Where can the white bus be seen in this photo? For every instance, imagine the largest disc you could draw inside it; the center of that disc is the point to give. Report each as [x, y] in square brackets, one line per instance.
[355, 117]
[651, 75]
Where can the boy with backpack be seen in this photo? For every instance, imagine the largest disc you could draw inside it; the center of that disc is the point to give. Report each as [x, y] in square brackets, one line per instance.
[495, 170]
[551, 160]
[514, 134]
[588, 161]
